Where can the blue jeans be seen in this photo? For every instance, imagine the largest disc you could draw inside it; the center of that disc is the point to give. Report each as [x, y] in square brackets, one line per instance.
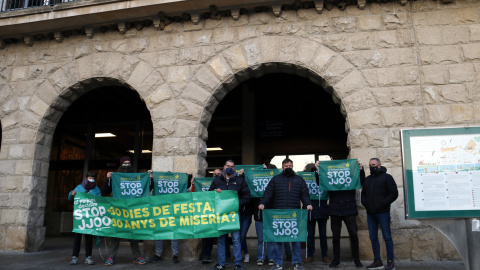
[237, 249]
[296, 252]
[159, 247]
[322, 230]
[382, 219]
[263, 246]
[245, 221]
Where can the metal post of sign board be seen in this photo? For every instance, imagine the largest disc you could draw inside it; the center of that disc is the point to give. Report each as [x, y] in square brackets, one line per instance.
[462, 236]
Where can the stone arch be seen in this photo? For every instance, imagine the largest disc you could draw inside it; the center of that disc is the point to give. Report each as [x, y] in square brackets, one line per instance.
[47, 104]
[272, 54]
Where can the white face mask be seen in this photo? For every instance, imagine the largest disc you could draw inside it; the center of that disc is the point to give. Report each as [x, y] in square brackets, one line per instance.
[91, 180]
[126, 164]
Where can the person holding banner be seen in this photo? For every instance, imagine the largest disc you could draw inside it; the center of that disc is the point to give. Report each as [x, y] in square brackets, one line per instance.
[87, 186]
[207, 243]
[285, 191]
[125, 167]
[343, 207]
[228, 180]
[378, 193]
[318, 215]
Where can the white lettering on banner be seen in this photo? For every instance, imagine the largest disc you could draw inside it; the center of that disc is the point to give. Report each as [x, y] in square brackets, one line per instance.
[261, 183]
[133, 188]
[169, 187]
[339, 177]
[312, 187]
[285, 228]
[95, 216]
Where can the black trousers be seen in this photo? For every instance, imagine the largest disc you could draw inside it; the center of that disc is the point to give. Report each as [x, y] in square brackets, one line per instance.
[77, 240]
[336, 226]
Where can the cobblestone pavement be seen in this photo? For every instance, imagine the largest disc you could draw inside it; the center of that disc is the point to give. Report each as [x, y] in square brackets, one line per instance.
[56, 255]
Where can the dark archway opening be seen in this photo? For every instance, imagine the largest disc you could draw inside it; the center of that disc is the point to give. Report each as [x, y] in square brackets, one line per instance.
[79, 146]
[276, 115]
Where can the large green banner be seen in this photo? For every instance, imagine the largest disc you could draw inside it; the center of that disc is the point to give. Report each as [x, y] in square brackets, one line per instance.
[340, 174]
[171, 216]
[258, 180]
[285, 225]
[316, 192]
[248, 168]
[169, 183]
[130, 185]
[202, 183]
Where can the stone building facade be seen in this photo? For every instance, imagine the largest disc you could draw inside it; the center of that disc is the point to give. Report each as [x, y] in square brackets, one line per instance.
[389, 66]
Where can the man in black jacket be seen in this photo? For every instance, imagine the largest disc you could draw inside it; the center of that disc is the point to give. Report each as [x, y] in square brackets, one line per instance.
[285, 191]
[228, 180]
[343, 207]
[378, 193]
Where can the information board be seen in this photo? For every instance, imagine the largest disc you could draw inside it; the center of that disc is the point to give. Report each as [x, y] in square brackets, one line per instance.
[441, 172]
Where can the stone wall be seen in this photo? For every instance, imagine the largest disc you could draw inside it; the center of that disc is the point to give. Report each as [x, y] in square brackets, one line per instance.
[388, 66]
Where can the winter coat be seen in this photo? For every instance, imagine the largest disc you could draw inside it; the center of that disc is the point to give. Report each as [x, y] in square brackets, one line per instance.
[236, 183]
[94, 191]
[379, 192]
[344, 203]
[286, 192]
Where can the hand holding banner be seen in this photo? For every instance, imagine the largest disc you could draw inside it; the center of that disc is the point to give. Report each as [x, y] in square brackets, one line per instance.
[247, 168]
[338, 175]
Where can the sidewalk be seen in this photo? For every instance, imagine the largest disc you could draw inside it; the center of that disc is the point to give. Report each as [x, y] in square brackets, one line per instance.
[57, 255]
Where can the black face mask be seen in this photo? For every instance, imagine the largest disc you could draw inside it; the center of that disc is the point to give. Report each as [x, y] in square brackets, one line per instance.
[373, 170]
[288, 171]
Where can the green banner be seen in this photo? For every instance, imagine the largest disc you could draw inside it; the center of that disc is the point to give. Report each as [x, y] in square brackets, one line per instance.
[285, 225]
[340, 174]
[169, 183]
[171, 216]
[316, 192]
[130, 185]
[258, 180]
[202, 183]
[248, 168]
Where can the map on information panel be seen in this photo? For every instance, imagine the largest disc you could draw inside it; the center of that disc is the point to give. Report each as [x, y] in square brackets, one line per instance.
[442, 172]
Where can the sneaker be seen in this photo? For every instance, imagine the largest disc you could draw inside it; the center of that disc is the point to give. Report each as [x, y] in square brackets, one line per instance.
[276, 267]
[139, 260]
[89, 261]
[390, 265]
[109, 262]
[238, 267]
[259, 262]
[156, 259]
[175, 259]
[377, 264]
[271, 262]
[218, 267]
[247, 258]
[358, 263]
[297, 266]
[335, 263]
[206, 259]
[74, 260]
[289, 257]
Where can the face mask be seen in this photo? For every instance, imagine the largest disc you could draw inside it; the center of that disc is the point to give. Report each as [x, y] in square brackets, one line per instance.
[91, 180]
[288, 171]
[373, 170]
[126, 164]
[229, 171]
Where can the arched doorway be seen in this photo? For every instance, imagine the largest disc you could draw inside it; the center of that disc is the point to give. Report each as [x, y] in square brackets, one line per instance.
[277, 114]
[93, 134]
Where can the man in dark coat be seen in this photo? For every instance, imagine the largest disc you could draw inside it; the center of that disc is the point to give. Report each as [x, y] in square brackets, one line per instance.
[228, 180]
[285, 191]
[343, 207]
[378, 193]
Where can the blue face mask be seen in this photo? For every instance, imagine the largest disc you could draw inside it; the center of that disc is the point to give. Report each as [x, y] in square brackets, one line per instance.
[229, 171]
